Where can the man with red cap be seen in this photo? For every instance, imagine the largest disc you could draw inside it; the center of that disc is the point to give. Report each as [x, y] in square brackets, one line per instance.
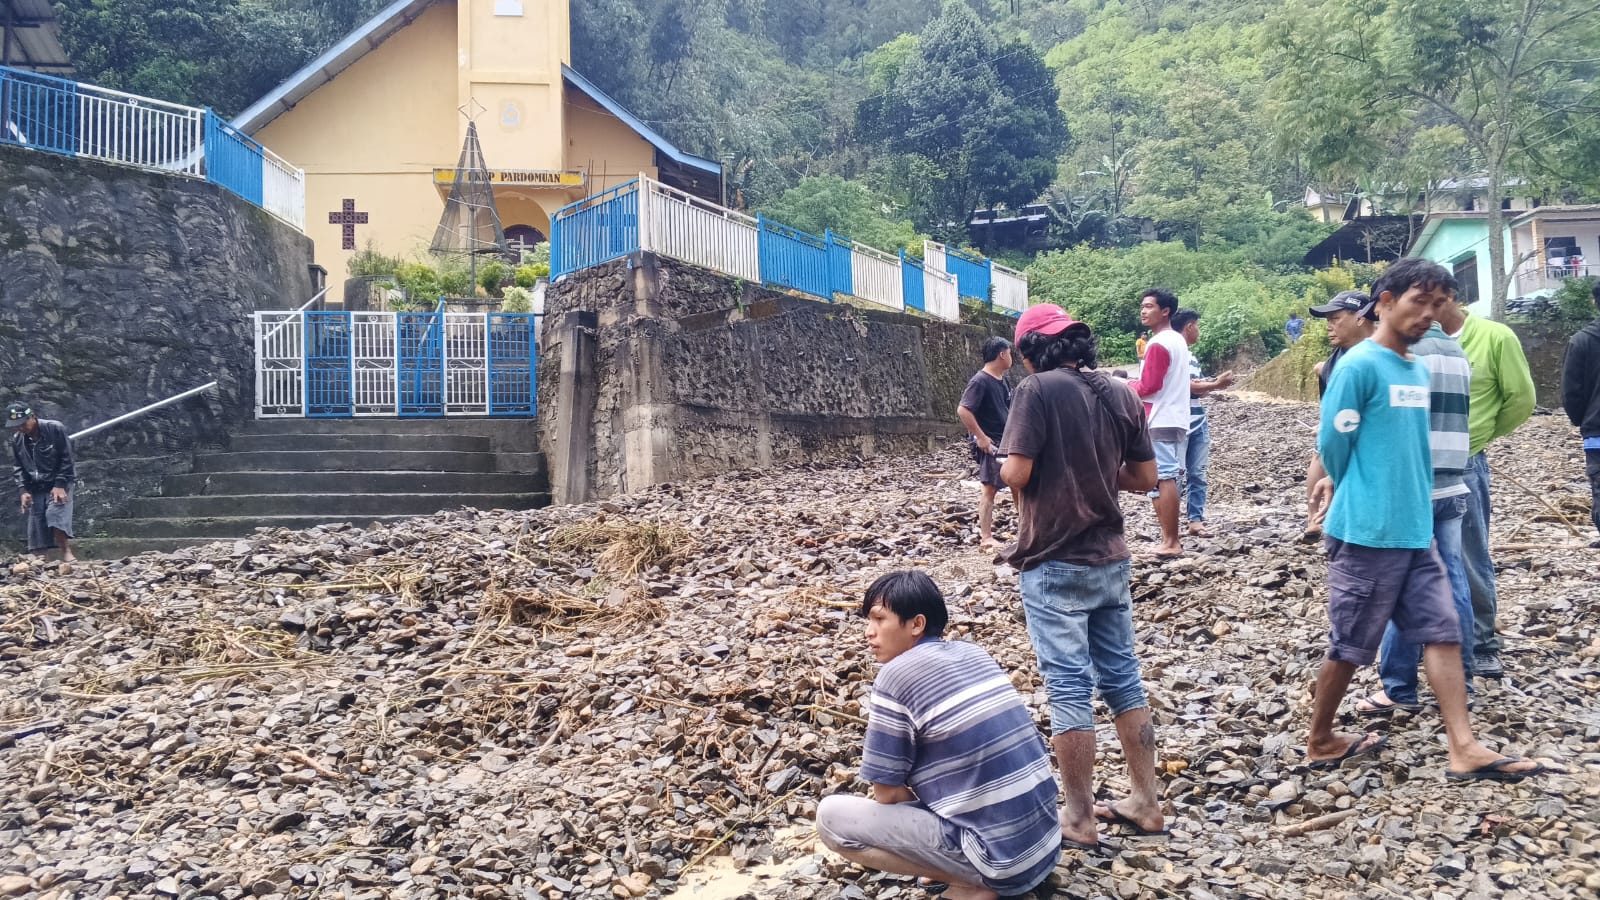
[1073, 440]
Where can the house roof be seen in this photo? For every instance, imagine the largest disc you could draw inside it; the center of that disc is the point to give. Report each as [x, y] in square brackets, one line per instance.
[33, 37]
[1582, 213]
[381, 27]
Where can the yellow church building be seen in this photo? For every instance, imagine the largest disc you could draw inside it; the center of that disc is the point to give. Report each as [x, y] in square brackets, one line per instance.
[377, 123]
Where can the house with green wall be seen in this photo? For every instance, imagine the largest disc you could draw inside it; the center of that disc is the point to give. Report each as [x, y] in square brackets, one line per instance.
[1544, 246]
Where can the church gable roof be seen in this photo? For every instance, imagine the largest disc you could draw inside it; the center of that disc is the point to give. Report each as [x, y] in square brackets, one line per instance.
[384, 25]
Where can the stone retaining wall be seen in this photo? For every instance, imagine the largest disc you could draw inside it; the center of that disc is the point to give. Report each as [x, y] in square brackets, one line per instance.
[124, 287]
[695, 373]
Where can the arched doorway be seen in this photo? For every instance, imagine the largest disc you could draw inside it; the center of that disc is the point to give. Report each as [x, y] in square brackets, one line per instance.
[523, 238]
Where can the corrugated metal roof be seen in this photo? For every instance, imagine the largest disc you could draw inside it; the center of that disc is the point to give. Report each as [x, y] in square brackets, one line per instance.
[33, 37]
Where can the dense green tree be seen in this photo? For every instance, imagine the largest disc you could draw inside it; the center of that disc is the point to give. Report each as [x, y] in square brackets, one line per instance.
[848, 208]
[1509, 77]
[974, 123]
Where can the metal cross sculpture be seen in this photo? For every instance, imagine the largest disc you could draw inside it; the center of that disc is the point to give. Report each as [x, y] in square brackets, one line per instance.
[349, 218]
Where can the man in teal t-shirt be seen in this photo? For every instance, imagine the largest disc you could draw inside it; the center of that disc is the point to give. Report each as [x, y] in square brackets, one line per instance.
[1382, 564]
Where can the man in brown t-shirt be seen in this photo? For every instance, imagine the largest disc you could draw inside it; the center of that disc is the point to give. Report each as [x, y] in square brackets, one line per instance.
[1074, 439]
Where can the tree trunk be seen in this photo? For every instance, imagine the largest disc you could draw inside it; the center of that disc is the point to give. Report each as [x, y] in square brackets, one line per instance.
[1499, 274]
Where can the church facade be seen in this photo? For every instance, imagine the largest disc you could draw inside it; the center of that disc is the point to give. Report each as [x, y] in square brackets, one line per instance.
[377, 122]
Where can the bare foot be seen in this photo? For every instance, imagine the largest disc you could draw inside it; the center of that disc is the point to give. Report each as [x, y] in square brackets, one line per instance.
[969, 892]
[1145, 818]
[1198, 529]
[1084, 832]
[987, 543]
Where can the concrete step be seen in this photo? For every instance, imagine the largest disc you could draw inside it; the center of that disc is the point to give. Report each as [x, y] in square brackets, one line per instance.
[209, 483]
[117, 548]
[338, 507]
[372, 442]
[481, 426]
[348, 461]
[224, 527]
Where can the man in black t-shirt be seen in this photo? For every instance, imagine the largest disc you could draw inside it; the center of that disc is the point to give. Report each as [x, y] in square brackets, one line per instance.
[1351, 317]
[984, 406]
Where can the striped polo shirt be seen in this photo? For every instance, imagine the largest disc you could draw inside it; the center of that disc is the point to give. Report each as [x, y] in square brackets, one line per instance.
[946, 722]
[1449, 393]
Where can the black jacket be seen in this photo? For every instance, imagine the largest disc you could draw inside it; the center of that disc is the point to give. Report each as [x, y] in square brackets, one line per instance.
[47, 463]
[1580, 380]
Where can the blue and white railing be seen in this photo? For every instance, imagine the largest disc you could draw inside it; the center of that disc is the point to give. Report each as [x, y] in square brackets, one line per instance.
[55, 115]
[317, 364]
[648, 215]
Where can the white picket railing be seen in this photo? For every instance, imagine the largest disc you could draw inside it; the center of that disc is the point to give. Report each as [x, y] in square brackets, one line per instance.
[685, 227]
[941, 294]
[138, 131]
[875, 276]
[1010, 289]
[283, 189]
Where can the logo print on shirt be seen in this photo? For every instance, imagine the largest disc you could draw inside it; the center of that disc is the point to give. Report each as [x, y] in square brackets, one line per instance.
[1408, 396]
[1346, 421]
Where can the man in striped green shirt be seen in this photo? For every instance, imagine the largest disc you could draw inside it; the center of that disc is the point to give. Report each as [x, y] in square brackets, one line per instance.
[1502, 399]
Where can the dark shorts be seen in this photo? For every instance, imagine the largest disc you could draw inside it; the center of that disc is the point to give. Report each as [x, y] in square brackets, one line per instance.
[1369, 586]
[988, 466]
[45, 515]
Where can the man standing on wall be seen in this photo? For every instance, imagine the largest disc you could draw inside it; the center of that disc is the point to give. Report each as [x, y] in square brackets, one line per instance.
[1382, 565]
[1502, 399]
[1197, 458]
[1351, 317]
[1073, 441]
[1580, 397]
[1164, 384]
[44, 474]
[984, 406]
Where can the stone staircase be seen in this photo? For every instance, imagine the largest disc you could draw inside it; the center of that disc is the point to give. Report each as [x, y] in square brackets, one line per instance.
[297, 473]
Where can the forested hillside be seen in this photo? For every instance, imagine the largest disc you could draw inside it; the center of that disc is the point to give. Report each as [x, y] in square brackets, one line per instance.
[1192, 121]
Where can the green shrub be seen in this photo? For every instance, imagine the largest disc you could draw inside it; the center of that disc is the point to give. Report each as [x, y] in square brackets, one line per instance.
[492, 276]
[419, 281]
[368, 262]
[1575, 301]
[528, 275]
[516, 300]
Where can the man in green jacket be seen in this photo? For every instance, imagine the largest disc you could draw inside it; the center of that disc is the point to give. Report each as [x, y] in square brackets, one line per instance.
[1502, 399]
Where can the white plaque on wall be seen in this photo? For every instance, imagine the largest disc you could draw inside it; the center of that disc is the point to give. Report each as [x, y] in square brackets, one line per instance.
[508, 7]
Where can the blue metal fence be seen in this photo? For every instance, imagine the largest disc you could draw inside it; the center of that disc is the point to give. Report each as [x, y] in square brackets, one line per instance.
[233, 159]
[643, 215]
[595, 230]
[973, 273]
[420, 364]
[513, 359]
[38, 111]
[330, 365]
[912, 282]
[793, 259]
[841, 267]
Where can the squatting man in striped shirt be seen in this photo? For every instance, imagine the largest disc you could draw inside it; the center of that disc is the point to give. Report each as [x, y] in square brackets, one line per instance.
[961, 787]
[1383, 562]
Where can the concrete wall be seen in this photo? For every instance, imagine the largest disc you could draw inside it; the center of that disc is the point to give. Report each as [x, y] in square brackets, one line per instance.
[695, 373]
[121, 288]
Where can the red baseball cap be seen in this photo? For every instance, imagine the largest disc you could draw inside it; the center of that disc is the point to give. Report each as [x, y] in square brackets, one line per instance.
[1046, 318]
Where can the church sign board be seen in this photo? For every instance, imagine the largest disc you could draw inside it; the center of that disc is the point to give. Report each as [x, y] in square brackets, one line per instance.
[530, 177]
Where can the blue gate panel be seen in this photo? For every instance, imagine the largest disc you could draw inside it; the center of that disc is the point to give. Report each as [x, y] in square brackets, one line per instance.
[596, 229]
[38, 111]
[233, 159]
[841, 278]
[513, 361]
[912, 282]
[793, 259]
[972, 273]
[420, 366]
[329, 365]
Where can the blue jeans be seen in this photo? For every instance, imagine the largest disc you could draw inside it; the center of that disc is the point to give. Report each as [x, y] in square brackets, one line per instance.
[1080, 620]
[1480, 568]
[1397, 660]
[1197, 459]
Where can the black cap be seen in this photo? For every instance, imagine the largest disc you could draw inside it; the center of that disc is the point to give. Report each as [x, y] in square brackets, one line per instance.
[1347, 301]
[16, 414]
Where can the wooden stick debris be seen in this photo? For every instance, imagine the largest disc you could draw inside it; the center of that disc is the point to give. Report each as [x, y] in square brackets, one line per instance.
[1320, 823]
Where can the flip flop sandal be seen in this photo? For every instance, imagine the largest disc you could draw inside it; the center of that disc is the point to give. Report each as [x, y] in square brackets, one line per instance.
[1376, 709]
[1099, 847]
[1132, 828]
[1495, 771]
[1363, 746]
[933, 887]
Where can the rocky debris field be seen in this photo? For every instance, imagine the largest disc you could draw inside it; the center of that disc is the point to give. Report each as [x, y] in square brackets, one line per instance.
[615, 700]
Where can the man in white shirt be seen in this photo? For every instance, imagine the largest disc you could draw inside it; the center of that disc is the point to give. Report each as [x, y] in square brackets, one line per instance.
[1163, 384]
